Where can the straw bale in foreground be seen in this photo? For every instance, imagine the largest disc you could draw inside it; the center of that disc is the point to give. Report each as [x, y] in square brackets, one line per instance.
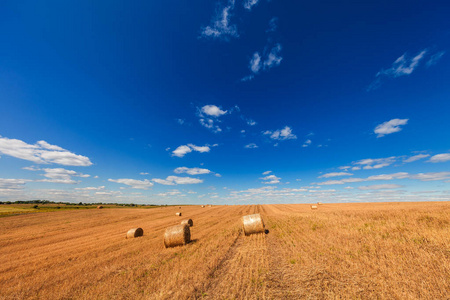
[177, 235]
[99, 207]
[188, 222]
[178, 214]
[253, 224]
[135, 232]
[313, 206]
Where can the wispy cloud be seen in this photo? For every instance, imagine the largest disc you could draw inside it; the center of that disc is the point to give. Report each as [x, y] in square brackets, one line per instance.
[272, 25]
[274, 58]
[375, 163]
[191, 171]
[271, 179]
[415, 158]
[41, 153]
[390, 127]
[307, 143]
[220, 27]
[173, 180]
[9, 184]
[404, 65]
[248, 4]
[212, 110]
[251, 146]
[134, 183]
[182, 150]
[435, 58]
[432, 176]
[281, 134]
[208, 117]
[335, 174]
[380, 187]
[438, 158]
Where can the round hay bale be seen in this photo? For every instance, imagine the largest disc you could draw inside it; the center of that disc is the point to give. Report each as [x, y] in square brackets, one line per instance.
[313, 206]
[203, 206]
[253, 224]
[188, 222]
[178, 214]
[319, 203]
[177, 235]
[99, 207]
[135, 232]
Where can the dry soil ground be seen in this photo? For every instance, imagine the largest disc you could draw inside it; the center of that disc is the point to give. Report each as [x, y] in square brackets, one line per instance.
[357, 251]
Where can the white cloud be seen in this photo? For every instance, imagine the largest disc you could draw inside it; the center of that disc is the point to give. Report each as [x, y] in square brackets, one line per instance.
[220, 25]
[435, 58]
[400, 175]
[60, 175]
[274, 58]
[403, 65]
[7, 184]
[306, 143]
[272, 24]
[191, 171]
[265, 61]
[251, 122]
[172, 180]
[443, 157]
[247, 78]
[415, 157]
[271, 179]
[251, 146]
[92, 188]
[266, 172]
[41, 153]
[335, 174]
[380, 187]
[431, 176]
[282, 134]
[180, 121]
[200, 149]
[182, 150]
[390, 127]
[209, 114]
[255, 63]
[248, 4]
[134, 183]
[143, 173]
[213, 110]
[170, 193]
[374, 163]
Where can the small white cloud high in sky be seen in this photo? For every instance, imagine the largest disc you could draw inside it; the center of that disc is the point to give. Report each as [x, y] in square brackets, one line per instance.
[389, 127]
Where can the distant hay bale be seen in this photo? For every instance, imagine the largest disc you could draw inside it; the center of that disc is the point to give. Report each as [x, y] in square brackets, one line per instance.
[319, 203]
[135, 232]
[203, 206]
[99, 207]
[177, 235]
[179, 207]
[253, 224]
[313, 206]
[178, 214]
[188, 222]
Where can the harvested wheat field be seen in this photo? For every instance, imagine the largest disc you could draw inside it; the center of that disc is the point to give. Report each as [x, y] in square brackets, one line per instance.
[357, 251]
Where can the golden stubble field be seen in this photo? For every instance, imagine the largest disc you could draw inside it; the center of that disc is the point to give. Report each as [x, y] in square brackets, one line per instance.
[357, 251]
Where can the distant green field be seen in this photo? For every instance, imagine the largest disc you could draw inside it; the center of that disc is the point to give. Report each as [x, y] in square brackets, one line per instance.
[19, 209]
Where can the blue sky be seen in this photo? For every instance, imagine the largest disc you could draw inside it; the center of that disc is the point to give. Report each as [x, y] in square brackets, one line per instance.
[224, 102]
